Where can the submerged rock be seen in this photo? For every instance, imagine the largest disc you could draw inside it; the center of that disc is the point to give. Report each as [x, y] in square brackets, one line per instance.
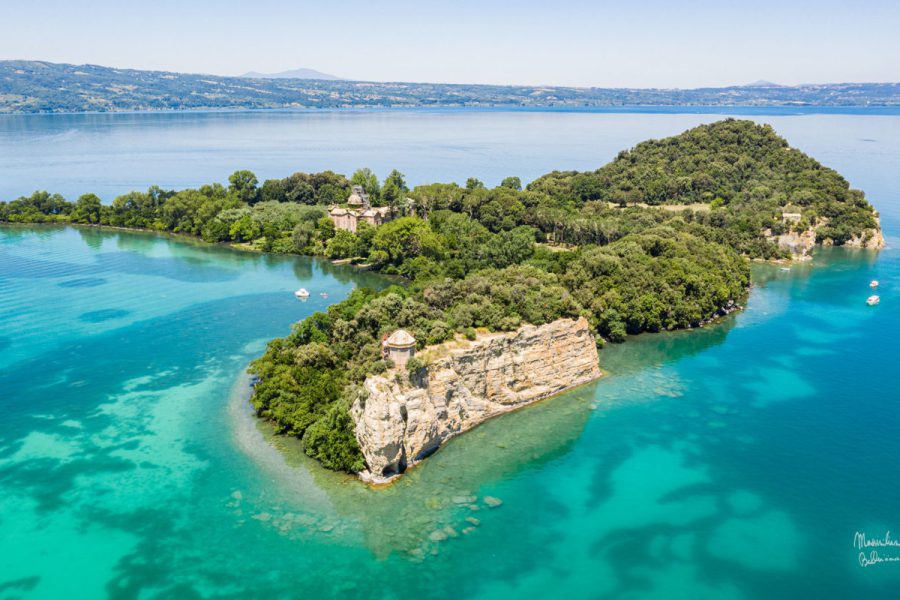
[492, 502]
[438, 535]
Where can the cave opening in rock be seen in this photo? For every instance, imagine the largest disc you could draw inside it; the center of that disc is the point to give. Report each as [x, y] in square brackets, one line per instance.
[395, 468]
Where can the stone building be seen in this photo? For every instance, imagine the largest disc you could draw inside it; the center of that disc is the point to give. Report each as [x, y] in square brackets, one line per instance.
[349, 219]
[791, 214]
[360, 210]
[358, 197]
[400, 346]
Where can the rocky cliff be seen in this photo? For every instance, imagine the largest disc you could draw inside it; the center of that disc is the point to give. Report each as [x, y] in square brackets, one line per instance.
[801, 243]
[873, 239]
[401, 420]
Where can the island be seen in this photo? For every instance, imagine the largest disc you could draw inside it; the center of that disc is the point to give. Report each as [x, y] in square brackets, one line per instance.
[506, 293]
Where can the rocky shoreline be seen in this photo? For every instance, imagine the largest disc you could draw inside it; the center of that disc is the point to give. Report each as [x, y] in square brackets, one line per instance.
[801, 243]
[402, 419]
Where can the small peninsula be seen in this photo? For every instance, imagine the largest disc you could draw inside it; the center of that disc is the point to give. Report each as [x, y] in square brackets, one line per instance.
[509, 291]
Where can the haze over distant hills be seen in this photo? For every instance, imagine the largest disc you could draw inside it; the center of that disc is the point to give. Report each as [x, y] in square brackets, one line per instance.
[762, 83]
[38, 87]
[292, 74]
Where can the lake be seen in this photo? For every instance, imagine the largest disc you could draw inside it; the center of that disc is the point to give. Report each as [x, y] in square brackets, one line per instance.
[736, 461]
[111, 154]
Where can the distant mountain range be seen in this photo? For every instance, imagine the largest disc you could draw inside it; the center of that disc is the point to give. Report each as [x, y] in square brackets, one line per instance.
[41, 87]
[292, 74]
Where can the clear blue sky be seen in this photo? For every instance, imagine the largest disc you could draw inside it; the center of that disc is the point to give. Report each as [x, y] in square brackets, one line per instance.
[649, 43]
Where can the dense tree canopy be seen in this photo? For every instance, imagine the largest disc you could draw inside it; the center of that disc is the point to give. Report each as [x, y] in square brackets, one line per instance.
[741, 174]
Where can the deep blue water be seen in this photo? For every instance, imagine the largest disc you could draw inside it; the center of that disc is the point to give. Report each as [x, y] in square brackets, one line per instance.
[735, 461]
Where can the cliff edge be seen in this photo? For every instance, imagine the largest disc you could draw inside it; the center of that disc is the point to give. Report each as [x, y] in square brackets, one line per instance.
[801, 243]
[401, 420]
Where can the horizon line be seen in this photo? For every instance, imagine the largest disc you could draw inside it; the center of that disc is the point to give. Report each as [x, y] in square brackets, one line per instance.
[510, 85]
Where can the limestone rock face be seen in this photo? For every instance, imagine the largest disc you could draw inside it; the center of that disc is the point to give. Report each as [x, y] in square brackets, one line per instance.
[401, 420]
[871, 239]
[799, 244]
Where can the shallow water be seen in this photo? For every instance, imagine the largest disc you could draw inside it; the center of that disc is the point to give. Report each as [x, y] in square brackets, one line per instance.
[735, 461]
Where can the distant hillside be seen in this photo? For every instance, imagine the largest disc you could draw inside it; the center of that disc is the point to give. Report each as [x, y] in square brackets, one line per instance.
[762, 83]
[34, 86]
[292, 74]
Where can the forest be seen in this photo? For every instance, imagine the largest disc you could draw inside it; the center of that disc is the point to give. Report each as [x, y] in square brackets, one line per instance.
[658, 239]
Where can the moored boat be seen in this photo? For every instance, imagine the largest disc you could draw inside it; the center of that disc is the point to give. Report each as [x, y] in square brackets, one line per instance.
[873, 300]
[874, 283]
[302, 293]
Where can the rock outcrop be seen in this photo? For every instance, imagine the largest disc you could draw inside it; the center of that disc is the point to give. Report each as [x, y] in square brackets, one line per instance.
[401, 420]
[872, 239]
[801, 243]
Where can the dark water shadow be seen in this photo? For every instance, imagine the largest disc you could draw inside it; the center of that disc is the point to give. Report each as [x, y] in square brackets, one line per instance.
[86, 282]
[99, 316]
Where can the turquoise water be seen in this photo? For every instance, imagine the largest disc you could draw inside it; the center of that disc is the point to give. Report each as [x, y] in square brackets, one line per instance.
[735, 461]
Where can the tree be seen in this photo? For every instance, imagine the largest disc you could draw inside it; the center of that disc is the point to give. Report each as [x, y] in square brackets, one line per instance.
[245, 229]
[342, 245]
[510, 247]
[325, 228]
[302, 236]
[437, 196]
[297, 188]
[394, 190]
[272, 190]
[396, 178]
[474, 184]
[513, 183]
[407, 237]
[87, 209]
[330, 194]
[368, 181]
[365, 232]
[244, 185]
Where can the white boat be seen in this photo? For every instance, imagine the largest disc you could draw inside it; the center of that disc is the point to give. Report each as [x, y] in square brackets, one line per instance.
[785, 268]
[302, 293]
[873, 300]
[324, 294]
[874, 283]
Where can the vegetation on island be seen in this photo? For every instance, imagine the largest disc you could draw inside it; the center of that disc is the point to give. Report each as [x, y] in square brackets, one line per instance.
[656, 240]
[748, 171]
[41, 87]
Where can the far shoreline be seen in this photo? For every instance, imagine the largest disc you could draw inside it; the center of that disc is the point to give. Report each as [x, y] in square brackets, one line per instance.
[703, 109]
